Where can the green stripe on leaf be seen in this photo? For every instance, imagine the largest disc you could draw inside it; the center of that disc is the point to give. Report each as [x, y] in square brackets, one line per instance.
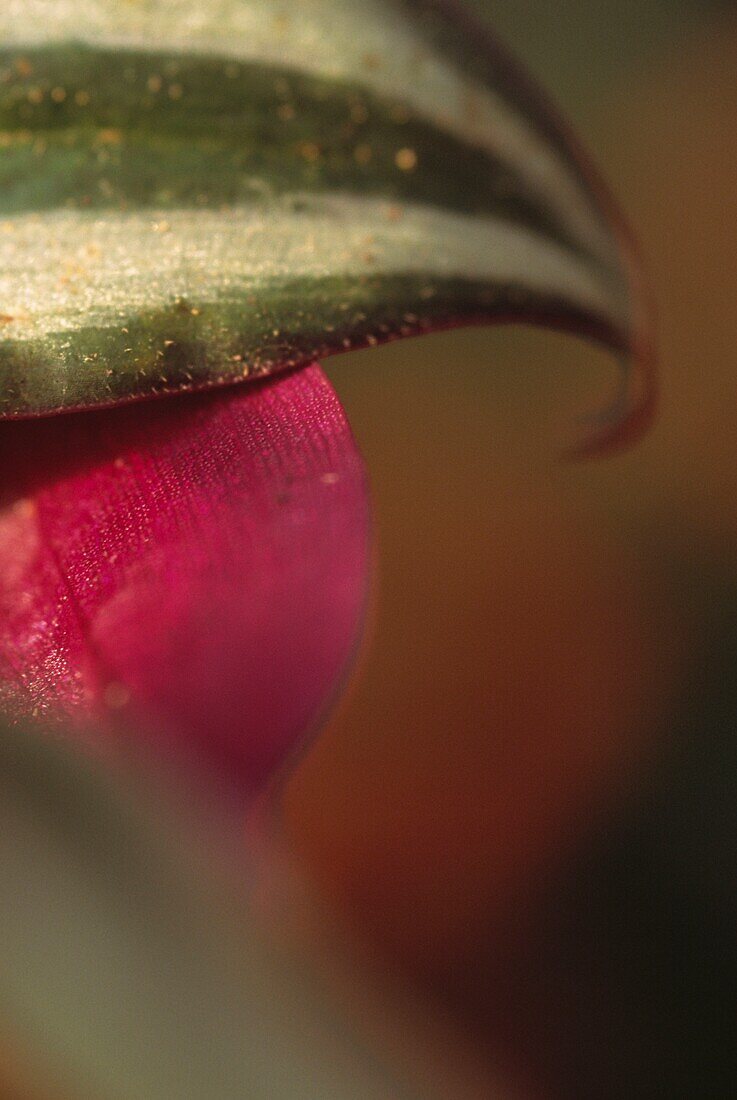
[288, 324]
[339, 185]
[101, 129]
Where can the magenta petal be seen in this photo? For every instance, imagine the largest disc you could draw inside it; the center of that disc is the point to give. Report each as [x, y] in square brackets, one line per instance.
[194, 568]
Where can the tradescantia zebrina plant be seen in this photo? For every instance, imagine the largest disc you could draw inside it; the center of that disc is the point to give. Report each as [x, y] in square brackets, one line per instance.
[199, 194]
[196, 194]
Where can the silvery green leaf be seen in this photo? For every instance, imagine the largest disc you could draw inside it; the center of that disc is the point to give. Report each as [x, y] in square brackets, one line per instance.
[191, 194]
[129, 968]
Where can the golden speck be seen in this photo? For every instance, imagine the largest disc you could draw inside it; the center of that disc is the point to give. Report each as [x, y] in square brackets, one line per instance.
[23, 66]
[116, 696]
[363, 154]
[155, 83]
[161, 227]
[406, 160]
[82, 98]
[109, 136]
[175, 91]
[35, 95]
[309, 151]
[276, 333]
[58, 95]
[372, 341]
[195, 311]
[169, 343]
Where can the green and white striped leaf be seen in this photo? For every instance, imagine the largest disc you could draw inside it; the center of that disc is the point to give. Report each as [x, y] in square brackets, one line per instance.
[191, 194]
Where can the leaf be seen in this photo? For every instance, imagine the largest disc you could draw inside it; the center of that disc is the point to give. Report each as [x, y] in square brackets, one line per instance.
[190, 573]
[195, 194]
[131, 966]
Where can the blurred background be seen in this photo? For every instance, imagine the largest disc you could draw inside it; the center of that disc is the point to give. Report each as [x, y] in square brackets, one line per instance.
[528, 800]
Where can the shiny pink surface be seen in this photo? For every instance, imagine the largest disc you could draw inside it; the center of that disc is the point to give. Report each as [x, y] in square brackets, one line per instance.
[190, 571]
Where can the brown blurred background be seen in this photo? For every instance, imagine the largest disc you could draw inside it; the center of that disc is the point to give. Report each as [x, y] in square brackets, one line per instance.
[528, 800]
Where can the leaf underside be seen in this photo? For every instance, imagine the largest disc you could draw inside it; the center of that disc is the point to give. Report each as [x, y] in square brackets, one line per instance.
[193, 197]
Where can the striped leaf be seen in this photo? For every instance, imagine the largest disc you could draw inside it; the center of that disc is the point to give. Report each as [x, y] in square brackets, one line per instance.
[193, 193]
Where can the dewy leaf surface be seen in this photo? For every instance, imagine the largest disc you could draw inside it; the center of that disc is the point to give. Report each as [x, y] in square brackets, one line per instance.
[193, 194]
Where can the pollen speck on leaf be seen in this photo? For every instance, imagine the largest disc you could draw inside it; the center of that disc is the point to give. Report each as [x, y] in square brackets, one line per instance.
[406, 160]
